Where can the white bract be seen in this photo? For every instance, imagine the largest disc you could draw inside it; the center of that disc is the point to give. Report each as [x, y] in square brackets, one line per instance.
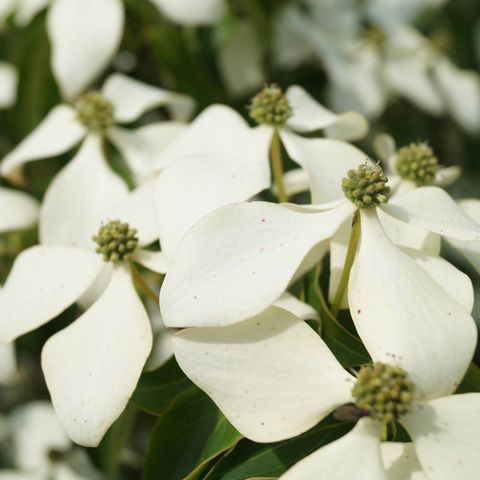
[192, 12]
[274, 378]
[41, 450]
[92, 366]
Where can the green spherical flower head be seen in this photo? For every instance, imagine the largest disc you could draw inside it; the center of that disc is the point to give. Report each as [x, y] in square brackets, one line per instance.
[384, 391]
[270, 106]
[116, 241]
[418, 163]
[366, 186]
[94, 111]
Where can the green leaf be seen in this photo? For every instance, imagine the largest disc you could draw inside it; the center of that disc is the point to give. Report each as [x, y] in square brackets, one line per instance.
[252, 460]
[158, 389]
[471, 380]
[187, 437]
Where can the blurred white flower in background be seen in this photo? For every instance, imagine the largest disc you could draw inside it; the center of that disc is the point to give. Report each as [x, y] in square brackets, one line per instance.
[192, 12]
[8, 85]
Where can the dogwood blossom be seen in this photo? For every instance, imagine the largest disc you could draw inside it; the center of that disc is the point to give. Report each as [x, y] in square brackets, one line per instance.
[111, 339]
[274, 378]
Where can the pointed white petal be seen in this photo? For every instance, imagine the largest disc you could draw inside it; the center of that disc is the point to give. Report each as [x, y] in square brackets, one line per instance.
[186, 12]
[326, 161]
[238, 260]
[384, 147]
[8, 85]
[272, 376]
[408, 236]
[137, 209]
[78, 197]
[154, 261]
[132, 98]
[43, 282]
[198, 184]
[92, 366]
[471, 250]
[300, 309]
[401, 461]
[84, 37]
[431, 208]
[8, 363]
[56, 134]
[461, 90]
[142, 147]
[404, 317]
[446, 434]
[18, 210]
[447, 175]
[355, 456]
[453, 281]
[35, 431]
[309, 115]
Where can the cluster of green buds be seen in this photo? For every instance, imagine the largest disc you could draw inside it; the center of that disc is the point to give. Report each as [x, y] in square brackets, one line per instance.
[94, 111]
[384, 391]
[116, 241]
[417, 162]
[270, 106]
[366, 186]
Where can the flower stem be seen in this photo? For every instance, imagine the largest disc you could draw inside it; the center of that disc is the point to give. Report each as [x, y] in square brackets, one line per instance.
[277, 169]
[142, 285]
[350, 257]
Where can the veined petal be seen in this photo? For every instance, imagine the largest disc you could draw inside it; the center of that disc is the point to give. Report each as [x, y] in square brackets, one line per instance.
[137, 209]
[198, 184]
[78, 197]
[238, 260]
[453, 281]
[446, 434]
[8, 82]
[431, 208]
[84, 37]
[154, 261]
[35, 432]
[132, 98]
[142, 147]
[309, 115]
[461, 91]
[43, 282]
[355, 456]
[8, 363]
[471, 250]
[326, 161]
[300, 309]
[92, 366]
[271, 375]
[57, 133]
[401, 461]
[18, 210]
[186, 12]
[405, 318]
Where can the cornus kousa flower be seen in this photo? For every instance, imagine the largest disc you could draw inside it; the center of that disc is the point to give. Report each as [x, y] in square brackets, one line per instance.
[89, 120]
[92, 366]
[18, 211]
[220, 160]
[40, 448]
[274, 378]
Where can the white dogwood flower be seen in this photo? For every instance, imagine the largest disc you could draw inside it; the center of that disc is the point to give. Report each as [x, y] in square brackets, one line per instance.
[41, 450]
[92, 366]
[274, 378]
[95, 116]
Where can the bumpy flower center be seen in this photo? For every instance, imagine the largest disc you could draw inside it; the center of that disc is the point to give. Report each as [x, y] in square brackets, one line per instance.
[270, 106]
[417, 162]
[384, 391]
[116, 241]
[94, 111]
[366, 186]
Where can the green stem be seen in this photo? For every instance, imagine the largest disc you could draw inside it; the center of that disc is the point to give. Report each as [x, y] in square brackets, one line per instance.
[142, 285]
[277, 169]
[350, 257]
